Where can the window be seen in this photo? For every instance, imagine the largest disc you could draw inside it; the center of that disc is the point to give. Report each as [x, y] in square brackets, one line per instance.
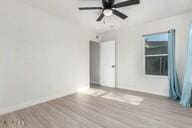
[156, 54]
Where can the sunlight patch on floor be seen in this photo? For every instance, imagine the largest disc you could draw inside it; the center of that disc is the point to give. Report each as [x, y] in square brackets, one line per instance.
[130, 99]
[120, 97]
[92, 92]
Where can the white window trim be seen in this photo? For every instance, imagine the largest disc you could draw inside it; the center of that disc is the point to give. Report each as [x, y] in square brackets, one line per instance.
[156, 55]
[144, 71]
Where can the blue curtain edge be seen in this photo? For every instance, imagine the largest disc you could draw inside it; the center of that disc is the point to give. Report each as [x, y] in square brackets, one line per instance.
[174, 91]
[186, 103]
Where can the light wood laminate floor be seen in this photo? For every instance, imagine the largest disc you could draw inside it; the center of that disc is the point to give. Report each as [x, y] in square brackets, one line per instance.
[86, 111]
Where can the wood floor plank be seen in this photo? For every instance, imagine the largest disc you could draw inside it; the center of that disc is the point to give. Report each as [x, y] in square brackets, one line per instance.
[85, 111]
[129, 117]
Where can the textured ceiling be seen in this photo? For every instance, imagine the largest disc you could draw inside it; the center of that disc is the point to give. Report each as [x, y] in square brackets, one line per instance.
[148, 10]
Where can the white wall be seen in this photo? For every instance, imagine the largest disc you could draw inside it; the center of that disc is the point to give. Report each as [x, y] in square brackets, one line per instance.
[94, 62]
[130, 53]
[41, 56]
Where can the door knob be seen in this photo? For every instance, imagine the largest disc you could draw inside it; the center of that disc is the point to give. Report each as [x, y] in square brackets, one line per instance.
[113, 66]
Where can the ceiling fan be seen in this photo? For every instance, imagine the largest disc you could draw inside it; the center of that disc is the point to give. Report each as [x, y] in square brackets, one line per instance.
[110, 7]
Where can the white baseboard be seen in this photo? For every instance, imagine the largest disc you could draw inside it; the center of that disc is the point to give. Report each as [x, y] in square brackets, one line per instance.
[33, 102]
[37, 101]
[82, 89]
[144, 91]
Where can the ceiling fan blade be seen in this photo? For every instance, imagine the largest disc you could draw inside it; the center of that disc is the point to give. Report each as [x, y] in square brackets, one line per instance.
[100, 17]
[119, 14]
[126, 3]
[90, 8]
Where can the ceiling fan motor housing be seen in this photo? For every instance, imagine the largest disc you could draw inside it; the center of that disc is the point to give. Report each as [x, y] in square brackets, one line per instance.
[107, 4]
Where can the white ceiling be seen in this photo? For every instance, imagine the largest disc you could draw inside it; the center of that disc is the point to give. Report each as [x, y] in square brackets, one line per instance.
[148, 10]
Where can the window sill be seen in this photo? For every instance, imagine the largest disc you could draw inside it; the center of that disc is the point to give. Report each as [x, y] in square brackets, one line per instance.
[156, 76]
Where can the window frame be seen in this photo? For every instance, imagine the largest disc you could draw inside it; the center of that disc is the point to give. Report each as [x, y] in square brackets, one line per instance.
[144, 60]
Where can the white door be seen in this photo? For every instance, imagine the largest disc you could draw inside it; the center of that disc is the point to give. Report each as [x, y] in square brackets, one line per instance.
[107, 64]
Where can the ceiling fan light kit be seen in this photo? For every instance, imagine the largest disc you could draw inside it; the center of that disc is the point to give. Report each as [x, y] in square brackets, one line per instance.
[110, 7]
[107, 12]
